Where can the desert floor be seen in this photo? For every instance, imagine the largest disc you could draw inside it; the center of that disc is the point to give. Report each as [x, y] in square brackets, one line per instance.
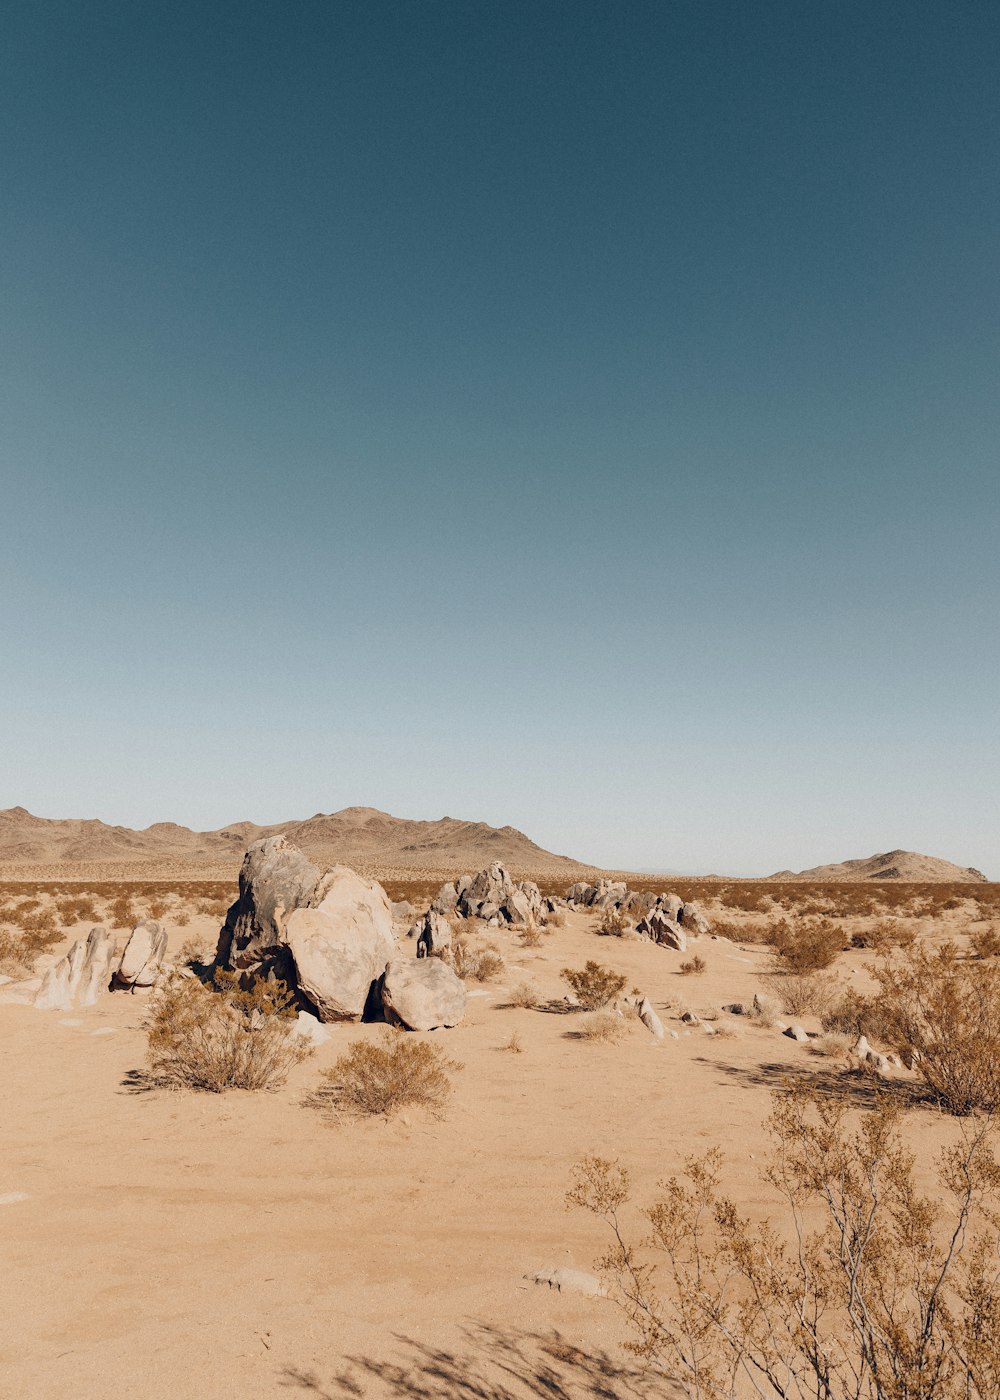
[197, 1246]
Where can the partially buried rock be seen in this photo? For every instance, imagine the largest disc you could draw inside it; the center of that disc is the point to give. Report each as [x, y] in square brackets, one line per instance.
[142, 959]
[340, 947]
[569, 1281]
[422, 996]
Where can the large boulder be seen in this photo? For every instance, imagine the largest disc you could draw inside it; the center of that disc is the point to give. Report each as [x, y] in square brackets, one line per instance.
[276, 878]
[445, 900]
[660, 928]
[340, 945]
[580, 893]
[142, 959]
[693, 919]
[422, 996]
[485, 893]
[517, 909]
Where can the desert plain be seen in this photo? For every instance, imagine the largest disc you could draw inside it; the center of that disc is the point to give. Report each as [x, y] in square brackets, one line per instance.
[164, 1242]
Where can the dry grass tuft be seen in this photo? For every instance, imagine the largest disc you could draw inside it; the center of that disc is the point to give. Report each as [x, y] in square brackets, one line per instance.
[523, 995]
[802, 993]
[605, 1027]
[476, 962]
[614, 923]
[693, 967]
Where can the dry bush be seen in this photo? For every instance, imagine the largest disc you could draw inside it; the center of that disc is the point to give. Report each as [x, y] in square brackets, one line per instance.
[865, 1289]
[986, 941]
[763, 1010]
[217, 1040]
[835, 1044]
[802, 993]
[475, 962]
[182, 918]
[884, 936]
[20, 946]
[77, 910]
[855, 1015]
[556, 918]
[380, 1078]
[530, 936]
[513, 1046]
[946, 1009]
[121, 912]
[614, 923]
[156, 908]
[809, 946]
[604, 1026]
[523, 995]
[594, 986]
[693, 967]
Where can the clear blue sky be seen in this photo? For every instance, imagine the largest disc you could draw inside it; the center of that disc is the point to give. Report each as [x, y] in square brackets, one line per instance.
[582, 416]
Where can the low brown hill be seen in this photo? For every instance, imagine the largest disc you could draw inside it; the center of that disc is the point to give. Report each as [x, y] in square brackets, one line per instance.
[359, 836]
[892, 865]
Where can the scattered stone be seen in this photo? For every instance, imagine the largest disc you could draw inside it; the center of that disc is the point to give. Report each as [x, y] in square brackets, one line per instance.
[736, 1008]
[690, 1019]
[422, 996]
[796, 1033]
[570, 1281]
[649, 1018]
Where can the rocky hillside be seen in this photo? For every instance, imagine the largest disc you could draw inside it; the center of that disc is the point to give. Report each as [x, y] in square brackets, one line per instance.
[358, 836]
[892, 865]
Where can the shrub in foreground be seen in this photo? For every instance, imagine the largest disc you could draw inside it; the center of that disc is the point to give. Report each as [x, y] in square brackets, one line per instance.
[947, 1010]
[382, 1077]
[865, 1289]
[199, 1038]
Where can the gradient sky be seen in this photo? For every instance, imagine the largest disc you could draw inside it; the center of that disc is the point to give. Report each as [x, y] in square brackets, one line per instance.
[582, 416]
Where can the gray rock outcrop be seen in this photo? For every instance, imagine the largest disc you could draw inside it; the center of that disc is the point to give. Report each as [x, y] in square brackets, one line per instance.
[276, 878]
[142, 960]
[340, 943]
[422, 996]
[433, 934]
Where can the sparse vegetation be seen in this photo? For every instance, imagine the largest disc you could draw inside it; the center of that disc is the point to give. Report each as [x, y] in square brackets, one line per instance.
[524, 995]
[614, 923]
[802, 993]
[476, 962]
[693, 967]
[808, 946]
[530, 936]
[947, 1010]
[594, 986]
[379, 1078]
[604, 1026]
[229, 1038]
[883, 1294]
[513, 1046]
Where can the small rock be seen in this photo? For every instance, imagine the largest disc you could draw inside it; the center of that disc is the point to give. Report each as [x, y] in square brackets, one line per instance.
[796, 1033]
[690, 1019]
[649, 1018]
[570, 1281]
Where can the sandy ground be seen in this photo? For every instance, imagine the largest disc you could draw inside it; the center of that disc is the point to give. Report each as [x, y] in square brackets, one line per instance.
[197, 1247]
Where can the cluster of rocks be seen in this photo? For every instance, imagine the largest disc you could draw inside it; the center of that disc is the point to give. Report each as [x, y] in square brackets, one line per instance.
[331, 937]
[662, 918]
[493, 897]
[94, 966]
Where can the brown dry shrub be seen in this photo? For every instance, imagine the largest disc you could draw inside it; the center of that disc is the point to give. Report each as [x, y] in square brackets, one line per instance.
[693, 967]
[946, 1009]
[864, 1289]
[475, 962]
[556, 918]
[121, 912]
[594, 986]
[809, 946]
[383, 1077]
[986, 941]
[218, 1040]
[513, 1046]
[884, 936]
[530, 936]
[605, 1027]
[523, 995]
[855, 1015]
[802, 993]
[78, 910]
[614, 923]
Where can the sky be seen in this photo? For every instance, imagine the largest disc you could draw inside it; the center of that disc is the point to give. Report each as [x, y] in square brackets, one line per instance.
[582, 416]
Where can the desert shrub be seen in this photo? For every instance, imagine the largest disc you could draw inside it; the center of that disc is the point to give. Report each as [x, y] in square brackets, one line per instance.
[832, 1043]
[513, 1046]
[523, 994]
[182, 918]
[121, 912]
[864, 1289]
[530, 936]
[801, 993]
[614, 923]
[21, 945]
[78, 910]
[946, 1009]
[809, 946]
[605, 1026]
[736, 933]
[157, 907]
[382, 1077]
[475, 962]
[594, 986]
[40, 925]
[884, 936]
[764, 1009]
[693, 967]
[216, 1040]
[854, 1015]
[556, 918]
[985, 941]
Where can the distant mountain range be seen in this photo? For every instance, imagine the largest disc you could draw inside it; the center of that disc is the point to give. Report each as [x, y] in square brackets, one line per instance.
[356, 836]
[892, 865]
